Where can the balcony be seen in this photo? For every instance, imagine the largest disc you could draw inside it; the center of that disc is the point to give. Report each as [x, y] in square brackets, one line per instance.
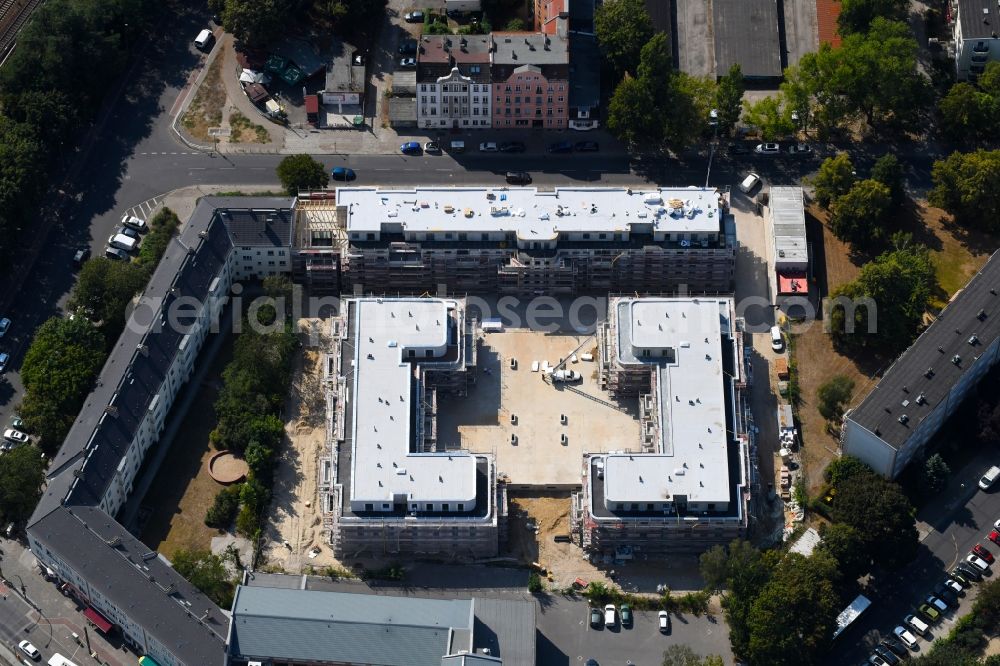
[981, 47]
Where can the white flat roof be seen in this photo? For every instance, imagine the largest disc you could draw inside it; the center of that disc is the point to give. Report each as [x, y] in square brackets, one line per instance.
[529, 212]
[383, 467]
[692, 459]
[789, 221]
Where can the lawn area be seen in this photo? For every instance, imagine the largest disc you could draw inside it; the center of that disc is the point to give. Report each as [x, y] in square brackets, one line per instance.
[183, 489]
[206, 107]
[957, 255]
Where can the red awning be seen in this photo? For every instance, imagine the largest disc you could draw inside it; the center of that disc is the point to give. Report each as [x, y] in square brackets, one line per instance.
[312, 103]
[99, 621]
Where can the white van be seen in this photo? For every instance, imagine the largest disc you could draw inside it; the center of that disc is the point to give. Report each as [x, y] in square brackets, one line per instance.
[122, 242]
[915, 623]
[777, 342]
[749, 183]
[989, 478]
[203, 39]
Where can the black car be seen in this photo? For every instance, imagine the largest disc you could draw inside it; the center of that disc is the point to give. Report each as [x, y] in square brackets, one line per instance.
[518, 177]
[511, 147]
[414, 17]
[895, 647]
[969, 571]
[946, 594]
[586, 147]
[561, 147]
[408, 47]
[887, 654]
[81, 256]
[737, 149]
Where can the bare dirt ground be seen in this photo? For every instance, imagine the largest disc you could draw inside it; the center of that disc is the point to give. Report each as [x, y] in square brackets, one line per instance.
[957, 254]
[294, 512]
[482, 422]
[206, 107]
[535, 520]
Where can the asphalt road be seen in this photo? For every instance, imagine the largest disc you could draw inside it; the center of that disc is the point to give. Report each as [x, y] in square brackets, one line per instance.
[962, 518]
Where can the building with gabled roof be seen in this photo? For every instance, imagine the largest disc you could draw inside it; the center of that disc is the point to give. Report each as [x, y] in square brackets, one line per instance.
[889, 428]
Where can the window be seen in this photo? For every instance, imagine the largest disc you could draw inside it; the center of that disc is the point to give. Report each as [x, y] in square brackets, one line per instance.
[507, 89]
[385, 506]
[430, 507]
[517, 100]
[423, 87]
[423, 99]
[475, 110]
[550, 99]
[498, 99]
[369, 507]
[538, 100]
[517, 88]
[461, 507]
[506, 100]
[427, 354]
[270, 253]
[538, 90]
[444, 506]
[561, 98]
[371, 236]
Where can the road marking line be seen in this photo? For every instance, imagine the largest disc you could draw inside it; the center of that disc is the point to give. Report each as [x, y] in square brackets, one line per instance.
[197, 168]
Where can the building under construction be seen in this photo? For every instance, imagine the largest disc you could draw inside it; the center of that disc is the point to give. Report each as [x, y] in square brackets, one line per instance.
[388, 487]
[515, 240]
[689, 488]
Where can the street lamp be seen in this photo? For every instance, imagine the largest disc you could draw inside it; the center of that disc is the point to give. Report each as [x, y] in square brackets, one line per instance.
[713, 120]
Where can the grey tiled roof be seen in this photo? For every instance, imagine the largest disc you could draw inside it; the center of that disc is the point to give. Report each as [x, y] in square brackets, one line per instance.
[926, 368]
[979, 18]
[290, 625]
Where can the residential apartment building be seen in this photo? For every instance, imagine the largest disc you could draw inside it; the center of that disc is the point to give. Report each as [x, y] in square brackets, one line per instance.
[890, 427]
[685, 485]
[530, 75]
[976, 30]
[521, 240]
[73, 532]
[453, 82]
[547, 14]
[388, 487]
[284, 620]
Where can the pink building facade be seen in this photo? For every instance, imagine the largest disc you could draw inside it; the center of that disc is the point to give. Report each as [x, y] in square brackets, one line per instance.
[530, 74]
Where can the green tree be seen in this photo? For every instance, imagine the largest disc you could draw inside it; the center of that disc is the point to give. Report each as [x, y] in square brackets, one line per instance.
[793, 618]
[729, 99]
[162, 227]
[632, 114]
[859, 216]
[968, 114]
[843, 543]
[936, 473]
[516, 24]
[103, 291]
[58, 372]
[895, 289]
[967, 185]
[622, 28]
[857, 15]
[256, 22]
[833, 396]
[686, 117]
[888, 171]
[834, 179]
[302, 172]
[208, 573]
[21, 476]
[224, 507]
[749, 571]
[771, 116]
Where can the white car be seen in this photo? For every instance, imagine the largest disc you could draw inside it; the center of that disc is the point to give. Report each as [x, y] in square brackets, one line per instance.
[610, 617]
[4, 325]
[915, 623]
[767, 149]
[29, 649]
[664, 621]
[4, 359]
[977, 562]
[15, 436]
[749, 183]
[953, 585]
[905, 637]
[133, 222]
[488, 147]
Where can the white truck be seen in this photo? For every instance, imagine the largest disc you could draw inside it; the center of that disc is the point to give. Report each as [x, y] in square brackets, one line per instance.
[566, 376]
[122, 242]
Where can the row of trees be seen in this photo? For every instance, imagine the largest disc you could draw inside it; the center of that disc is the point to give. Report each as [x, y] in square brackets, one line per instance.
[967, 185]
[68, 55]
[860, 209]
[255, 384]
[66, 353]
[782, 607]
[260, 22]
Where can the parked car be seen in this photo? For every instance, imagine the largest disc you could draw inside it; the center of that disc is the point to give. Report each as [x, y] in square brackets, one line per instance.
[989, 478]
[767, 149]
[342, 173]
[81, 256]
[610, 616]
[596, 619]
[15, 436]
[946, 594]
[518, 177]
[586, 147]
[953, 586]
[488, 147]
[977, 562]
[876, 660]
[204, 40]
[959, 578]
[994, 536]
[800, 150]
[915, 623]
[410, 148]
[887, 654]
[432, 147]
[980, 550]
[664, 620]
[4, 360]
[560, 147]
[928, 611]
[134, 222]
[115, 253]
[408, 63]
[128, 231]
[749, 183]
[937, 603]
[408, 47]
[4, 325]
[626, 614]
[512, 146]
[16, 423]
[905, 637]
[737, 149]
[30, 650]
[970, 571]
[414, 17]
